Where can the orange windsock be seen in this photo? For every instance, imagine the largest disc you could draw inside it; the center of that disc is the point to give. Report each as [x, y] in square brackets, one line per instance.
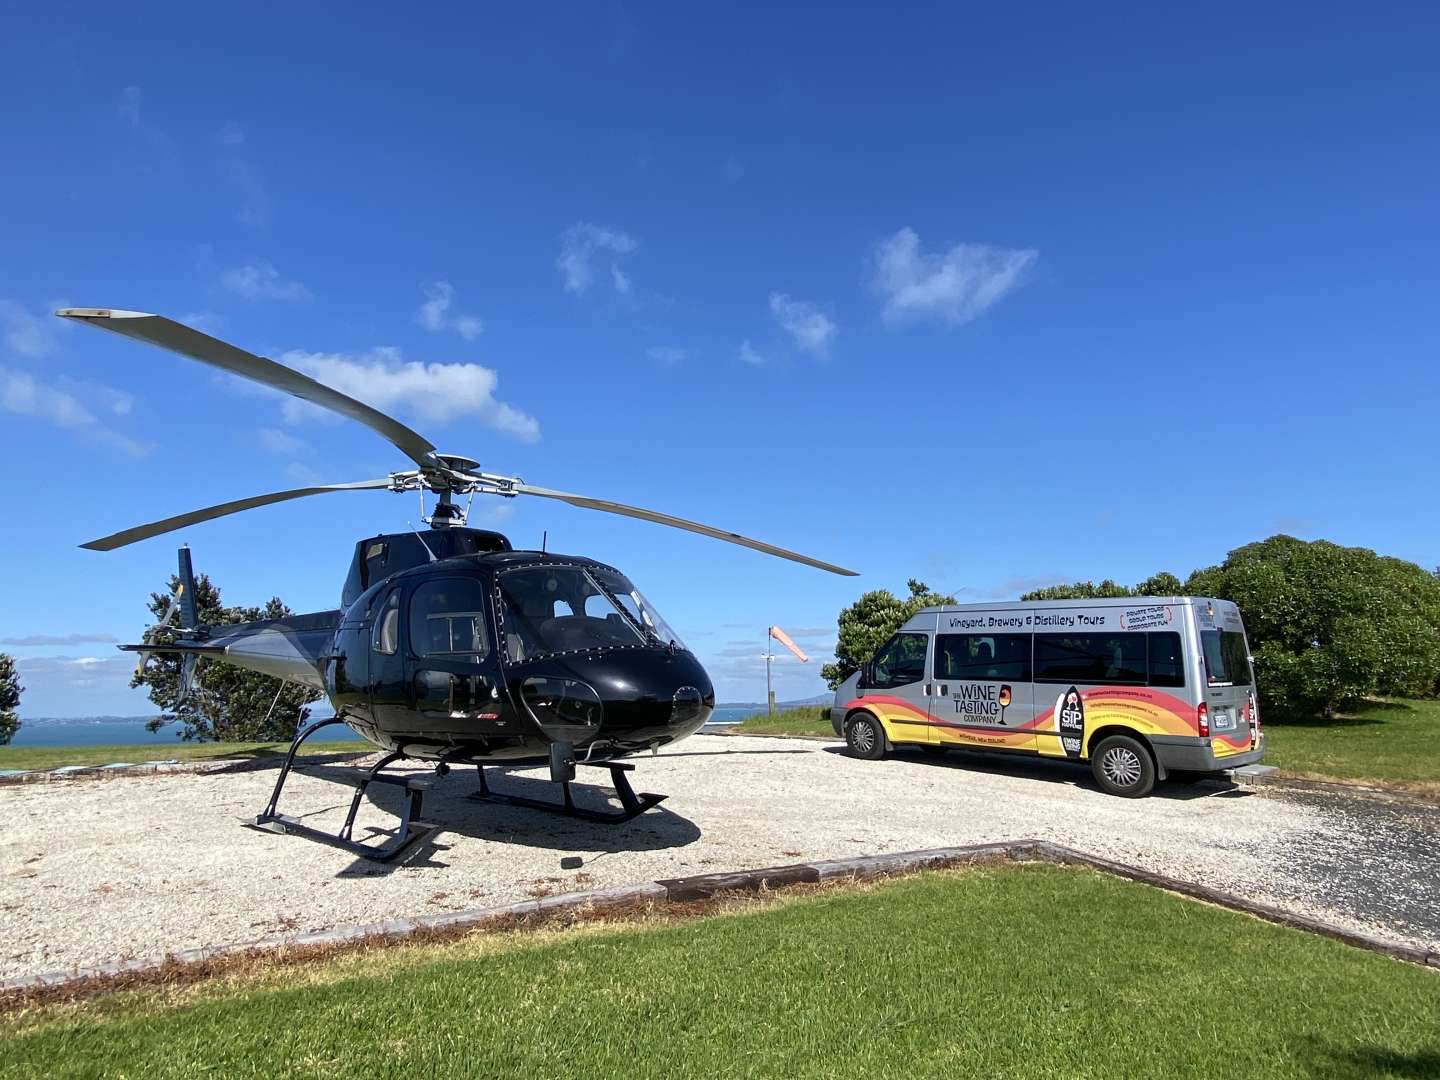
[784, 639]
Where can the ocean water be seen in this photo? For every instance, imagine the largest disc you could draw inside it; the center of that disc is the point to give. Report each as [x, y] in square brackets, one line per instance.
[118, 733]
[133, 733]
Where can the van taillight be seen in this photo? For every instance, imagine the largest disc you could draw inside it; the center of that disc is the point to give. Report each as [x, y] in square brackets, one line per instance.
[1202, 719]
[1254, 711]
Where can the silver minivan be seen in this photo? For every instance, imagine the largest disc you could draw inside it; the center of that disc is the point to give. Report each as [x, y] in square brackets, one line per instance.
[1142, 688]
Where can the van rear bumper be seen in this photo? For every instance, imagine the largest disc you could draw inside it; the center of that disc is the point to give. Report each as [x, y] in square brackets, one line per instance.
[1196, 755]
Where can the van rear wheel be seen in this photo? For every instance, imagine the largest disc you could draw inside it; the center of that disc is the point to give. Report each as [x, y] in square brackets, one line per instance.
[865, 737]
[1122, 766]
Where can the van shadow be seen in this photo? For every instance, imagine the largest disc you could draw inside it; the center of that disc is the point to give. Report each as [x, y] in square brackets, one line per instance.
[1055, 771]
[450, 809]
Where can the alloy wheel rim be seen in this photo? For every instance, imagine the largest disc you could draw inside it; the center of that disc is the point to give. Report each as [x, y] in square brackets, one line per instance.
[1122, 766]
[863, 737]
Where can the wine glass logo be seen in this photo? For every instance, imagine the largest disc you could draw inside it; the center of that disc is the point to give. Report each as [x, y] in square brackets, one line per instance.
[1004, 702]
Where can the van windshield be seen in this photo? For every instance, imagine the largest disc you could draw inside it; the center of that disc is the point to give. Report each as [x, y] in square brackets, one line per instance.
[1227, 660]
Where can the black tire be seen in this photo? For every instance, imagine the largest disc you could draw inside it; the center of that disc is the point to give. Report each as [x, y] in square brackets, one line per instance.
[1123, 766]
[865, 737]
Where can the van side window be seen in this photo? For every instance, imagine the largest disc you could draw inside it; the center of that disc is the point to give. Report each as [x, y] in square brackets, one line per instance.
[1167, 660]
[1091, 658]
[900, 661]
[387, 625]
[983, 656]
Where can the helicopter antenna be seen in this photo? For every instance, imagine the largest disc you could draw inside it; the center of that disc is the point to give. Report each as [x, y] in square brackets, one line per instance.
[544, 539]
[422, 542]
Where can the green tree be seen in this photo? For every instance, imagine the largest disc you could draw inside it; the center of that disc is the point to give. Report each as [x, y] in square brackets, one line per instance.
[1162, 584]
[10, 689]
[1081, 590]
[227, 704]
[865, 625]
[1330, 625]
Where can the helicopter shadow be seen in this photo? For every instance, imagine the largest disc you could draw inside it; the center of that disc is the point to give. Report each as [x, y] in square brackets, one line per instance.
[450, 809]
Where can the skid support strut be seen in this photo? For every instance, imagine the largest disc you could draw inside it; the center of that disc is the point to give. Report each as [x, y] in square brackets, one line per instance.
[410, 829]
[633, 805]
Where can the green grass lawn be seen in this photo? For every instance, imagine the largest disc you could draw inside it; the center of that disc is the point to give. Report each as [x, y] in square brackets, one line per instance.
[996, 971]
[805, 720]
[1393, 741]
[52, 757]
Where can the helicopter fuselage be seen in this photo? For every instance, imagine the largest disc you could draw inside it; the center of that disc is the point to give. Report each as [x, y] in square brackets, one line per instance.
[496, 656]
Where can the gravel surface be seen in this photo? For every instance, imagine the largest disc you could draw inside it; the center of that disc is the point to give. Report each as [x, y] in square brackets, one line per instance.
[96, 870]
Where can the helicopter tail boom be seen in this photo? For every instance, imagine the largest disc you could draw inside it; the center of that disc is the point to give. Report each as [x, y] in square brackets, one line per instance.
[290, 648]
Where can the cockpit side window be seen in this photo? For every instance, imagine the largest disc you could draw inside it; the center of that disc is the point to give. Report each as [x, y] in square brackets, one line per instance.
[447, 618]
[387, 625]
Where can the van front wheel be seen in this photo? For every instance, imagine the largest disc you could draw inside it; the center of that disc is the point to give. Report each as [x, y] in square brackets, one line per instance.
[865, 737]
[1122, 766]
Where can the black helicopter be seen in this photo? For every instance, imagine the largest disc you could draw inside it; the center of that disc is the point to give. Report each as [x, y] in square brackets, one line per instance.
[449, 645]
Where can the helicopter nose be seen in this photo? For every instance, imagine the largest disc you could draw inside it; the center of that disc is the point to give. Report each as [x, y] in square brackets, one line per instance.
[654, 697]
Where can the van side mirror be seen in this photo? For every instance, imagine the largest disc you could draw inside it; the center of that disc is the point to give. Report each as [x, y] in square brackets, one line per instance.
[867, 673]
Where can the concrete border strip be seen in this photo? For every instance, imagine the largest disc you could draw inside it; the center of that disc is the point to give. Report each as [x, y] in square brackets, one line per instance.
[702, 886]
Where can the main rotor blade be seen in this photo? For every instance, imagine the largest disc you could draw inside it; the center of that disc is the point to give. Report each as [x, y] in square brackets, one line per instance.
[179, 521]
[182, 339]
[678, 523]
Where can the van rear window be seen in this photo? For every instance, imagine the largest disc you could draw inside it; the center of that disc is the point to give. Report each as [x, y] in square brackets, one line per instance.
[1227, 660]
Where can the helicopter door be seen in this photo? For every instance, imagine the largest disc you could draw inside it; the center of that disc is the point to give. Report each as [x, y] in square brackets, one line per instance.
[454, 671]
[388, 700]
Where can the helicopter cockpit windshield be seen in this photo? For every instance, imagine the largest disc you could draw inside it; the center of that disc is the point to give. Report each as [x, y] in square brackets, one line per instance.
[554, 609]
[637, 607]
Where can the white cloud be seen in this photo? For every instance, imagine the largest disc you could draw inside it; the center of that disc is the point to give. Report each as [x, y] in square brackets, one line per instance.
[25, 334]
[302, 475]
[60, 403]
[206, 321]
[275, 441]
[667, 355]
[434, 313]
[129, 106]
[955, 287]
[810, 327]
[749, 355]
[258, 279]
[158, 144]
[580, 247]
[242, 177]
[59, 639]
[79, 686]
[435, 393]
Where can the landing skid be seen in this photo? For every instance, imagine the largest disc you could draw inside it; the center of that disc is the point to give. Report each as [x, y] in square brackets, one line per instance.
[632, 805]
[410, 830]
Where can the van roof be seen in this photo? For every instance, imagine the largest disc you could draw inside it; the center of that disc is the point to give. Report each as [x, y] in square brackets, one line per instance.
[1107, 601]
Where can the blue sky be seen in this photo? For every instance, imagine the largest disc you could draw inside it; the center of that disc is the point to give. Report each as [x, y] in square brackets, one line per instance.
[992, 299]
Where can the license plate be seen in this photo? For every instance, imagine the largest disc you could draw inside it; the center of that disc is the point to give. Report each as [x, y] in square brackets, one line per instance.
[1224, 721]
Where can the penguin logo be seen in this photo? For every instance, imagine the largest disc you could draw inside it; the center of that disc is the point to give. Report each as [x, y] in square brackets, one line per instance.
[1004, 703]
[1070, 721]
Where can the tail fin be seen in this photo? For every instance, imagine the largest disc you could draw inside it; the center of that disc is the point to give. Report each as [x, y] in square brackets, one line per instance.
[182, 602]
[187, 590]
